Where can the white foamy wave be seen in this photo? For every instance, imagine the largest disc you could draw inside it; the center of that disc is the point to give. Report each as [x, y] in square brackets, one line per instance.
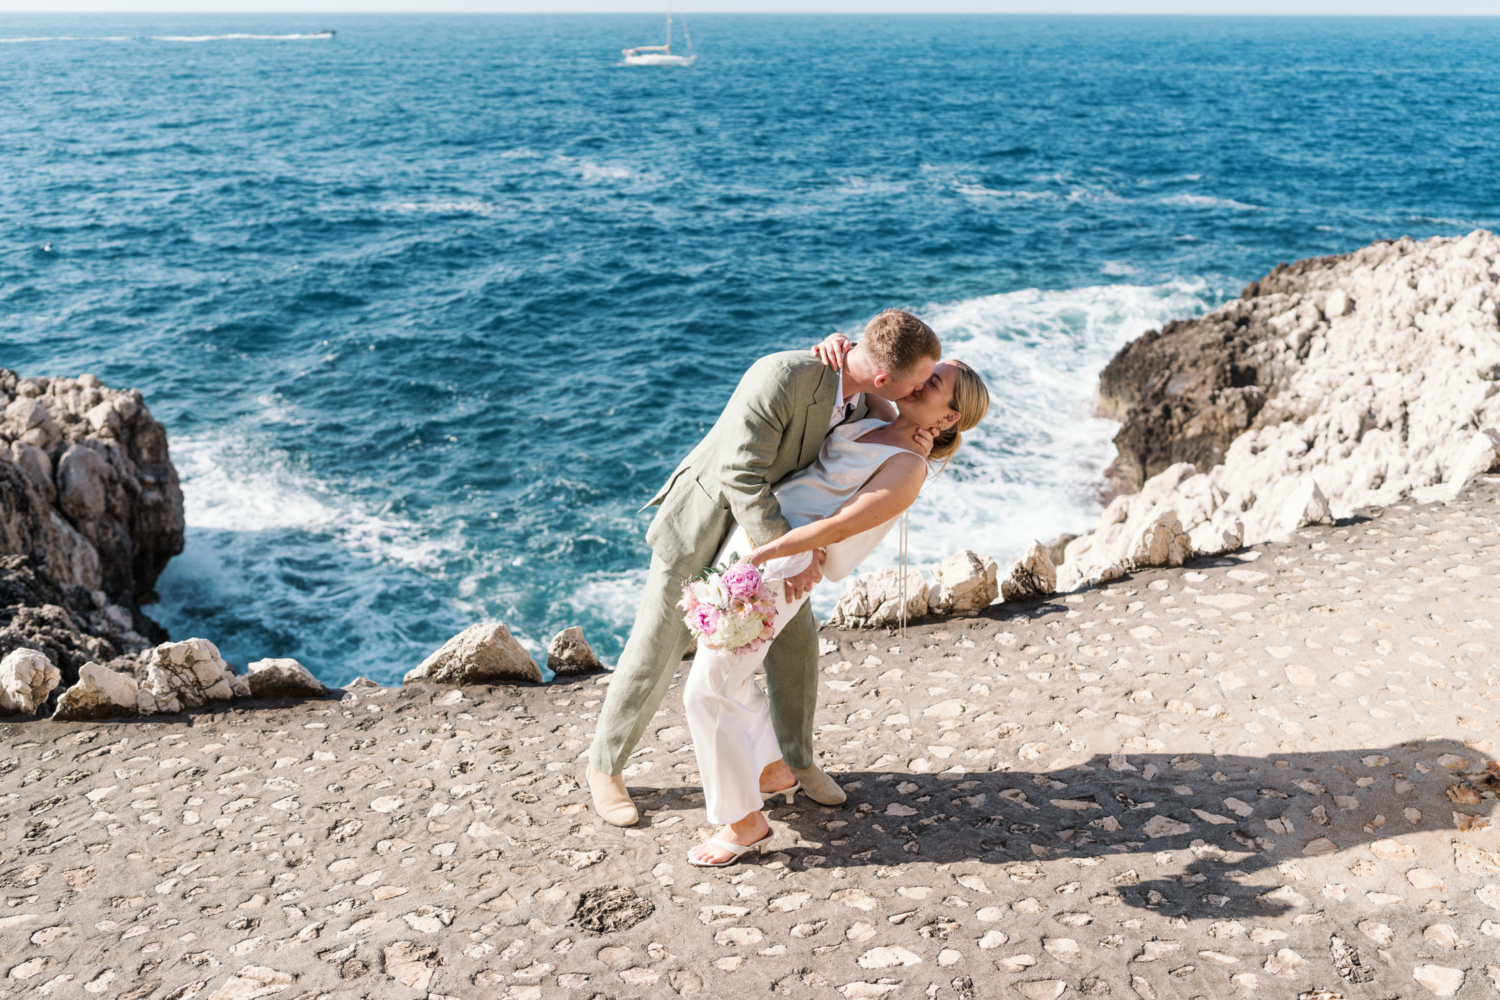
[980, 191]
[1204, 201]
[238, 36]
[279, 563]
[591, 171]
[230, 484]
[449, 207]
[1033, 469]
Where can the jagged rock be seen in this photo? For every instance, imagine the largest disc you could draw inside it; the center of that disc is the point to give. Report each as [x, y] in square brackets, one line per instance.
[31, 526]
[1306, 506]
[54, 630]
[1225, 533]
[1031, 577]
[283, 678]
[1161, 542]
[97, 454]
[1481, 454]
[1299, 378]
[480, 654]
[569, 654]
[28, 420]
[27, 677]
[874, 600]
[962, 583]
[35, 463]
[187, 674]
[101, 693]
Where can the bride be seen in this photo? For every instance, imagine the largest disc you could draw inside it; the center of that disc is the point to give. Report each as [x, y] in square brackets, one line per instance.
[866, 475]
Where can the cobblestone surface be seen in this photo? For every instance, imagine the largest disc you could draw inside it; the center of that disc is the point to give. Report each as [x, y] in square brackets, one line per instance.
[1263, 776]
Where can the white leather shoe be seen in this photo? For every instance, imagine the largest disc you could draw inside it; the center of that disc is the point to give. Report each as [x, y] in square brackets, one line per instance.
[819, 787]
[611, 799]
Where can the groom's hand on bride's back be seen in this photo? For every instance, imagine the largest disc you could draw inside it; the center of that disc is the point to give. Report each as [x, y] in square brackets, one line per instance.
[831, 350]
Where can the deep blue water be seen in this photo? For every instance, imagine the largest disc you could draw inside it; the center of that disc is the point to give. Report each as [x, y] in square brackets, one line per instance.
[430, 308]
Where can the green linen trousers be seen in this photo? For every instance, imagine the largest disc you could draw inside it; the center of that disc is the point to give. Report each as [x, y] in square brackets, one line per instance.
[773, 426]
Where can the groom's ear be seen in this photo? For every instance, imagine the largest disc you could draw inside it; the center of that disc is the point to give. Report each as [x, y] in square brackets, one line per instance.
[881, 380]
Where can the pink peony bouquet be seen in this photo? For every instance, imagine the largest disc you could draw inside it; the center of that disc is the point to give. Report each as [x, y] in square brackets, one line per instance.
[730, 609]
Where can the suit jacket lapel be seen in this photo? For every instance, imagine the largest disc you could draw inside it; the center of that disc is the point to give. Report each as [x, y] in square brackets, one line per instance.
[819, 413]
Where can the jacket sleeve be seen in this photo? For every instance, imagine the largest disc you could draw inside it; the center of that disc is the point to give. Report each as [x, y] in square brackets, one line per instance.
[760, 413]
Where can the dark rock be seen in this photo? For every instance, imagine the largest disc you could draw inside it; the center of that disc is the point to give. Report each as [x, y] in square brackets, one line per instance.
[90, 513]
[1185, 392]
[610, 908]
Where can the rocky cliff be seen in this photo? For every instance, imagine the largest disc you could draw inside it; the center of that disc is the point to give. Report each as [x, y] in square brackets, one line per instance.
[1331, 384]
[90, 513]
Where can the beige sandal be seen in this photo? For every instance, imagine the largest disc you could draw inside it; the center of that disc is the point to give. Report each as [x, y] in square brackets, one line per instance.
[736, 851]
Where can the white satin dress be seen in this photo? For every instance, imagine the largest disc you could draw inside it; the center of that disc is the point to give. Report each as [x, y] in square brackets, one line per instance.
[727, 712]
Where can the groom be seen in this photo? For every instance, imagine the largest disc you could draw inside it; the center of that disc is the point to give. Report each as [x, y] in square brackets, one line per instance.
[773, 426]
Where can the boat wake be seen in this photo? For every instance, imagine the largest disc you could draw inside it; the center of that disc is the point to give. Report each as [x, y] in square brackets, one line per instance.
[309, 36]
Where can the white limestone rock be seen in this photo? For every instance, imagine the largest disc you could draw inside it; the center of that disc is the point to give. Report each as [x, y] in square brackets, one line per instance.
[27, 677]
[569, 654]
[1031, 577]
[188, 674]
[101, 693]
[1225, 533]
[874, 600]
[1387, 361]
[962, 583]
[480, 654]
[1160, 542]
[1305, 506]
[29, 421]
[1480, 454]
[283, 677]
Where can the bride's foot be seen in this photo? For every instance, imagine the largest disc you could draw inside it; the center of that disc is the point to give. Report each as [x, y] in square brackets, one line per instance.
[747, 832]
[777, 777]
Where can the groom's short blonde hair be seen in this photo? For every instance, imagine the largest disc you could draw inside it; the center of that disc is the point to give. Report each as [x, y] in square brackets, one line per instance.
[897, 342]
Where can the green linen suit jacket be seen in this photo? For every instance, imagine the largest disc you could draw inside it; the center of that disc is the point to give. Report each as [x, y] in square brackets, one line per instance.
[773, 426]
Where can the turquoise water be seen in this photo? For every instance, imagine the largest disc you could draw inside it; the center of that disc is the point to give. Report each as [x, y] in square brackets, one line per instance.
[431, 307]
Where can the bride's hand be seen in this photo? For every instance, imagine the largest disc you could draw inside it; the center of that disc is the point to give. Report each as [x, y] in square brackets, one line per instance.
[832, 349]
[757, 558]
[923, 438]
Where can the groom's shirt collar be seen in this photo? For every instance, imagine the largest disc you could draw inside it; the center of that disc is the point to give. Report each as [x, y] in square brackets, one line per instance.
[842, 407]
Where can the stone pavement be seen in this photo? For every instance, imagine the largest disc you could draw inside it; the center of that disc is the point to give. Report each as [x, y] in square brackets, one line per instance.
[1262, 776]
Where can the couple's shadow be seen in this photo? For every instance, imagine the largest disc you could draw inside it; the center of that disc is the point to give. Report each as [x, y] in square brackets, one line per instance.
[1222, 818]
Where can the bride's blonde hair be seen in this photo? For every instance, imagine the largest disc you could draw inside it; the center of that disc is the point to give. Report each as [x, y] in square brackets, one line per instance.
[971, 398]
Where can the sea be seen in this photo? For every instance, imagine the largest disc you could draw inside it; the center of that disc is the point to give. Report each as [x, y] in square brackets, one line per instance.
[431, 305]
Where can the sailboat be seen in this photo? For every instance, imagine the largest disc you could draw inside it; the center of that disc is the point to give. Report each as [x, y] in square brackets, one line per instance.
[662, 55]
